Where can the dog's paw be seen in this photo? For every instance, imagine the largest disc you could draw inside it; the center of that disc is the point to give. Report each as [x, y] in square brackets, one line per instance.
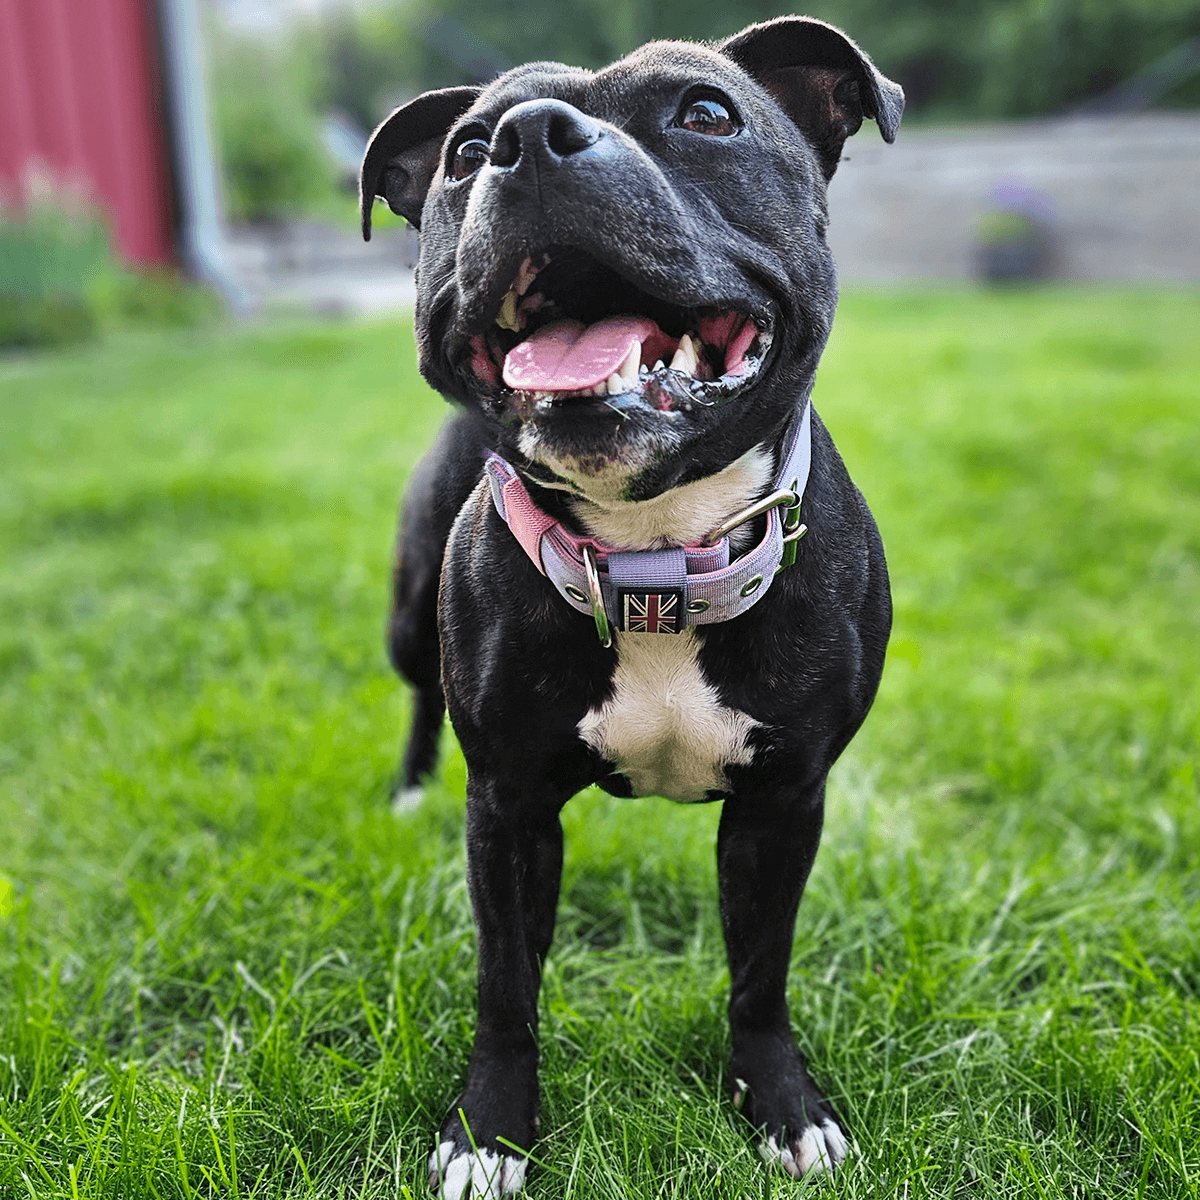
[456, 1173]
[818, 1149]
[798, 1130]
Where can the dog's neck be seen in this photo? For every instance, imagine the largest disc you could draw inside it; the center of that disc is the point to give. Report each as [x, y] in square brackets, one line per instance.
[683, 515]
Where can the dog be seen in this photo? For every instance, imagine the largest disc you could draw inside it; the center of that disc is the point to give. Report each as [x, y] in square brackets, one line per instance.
[635, 558]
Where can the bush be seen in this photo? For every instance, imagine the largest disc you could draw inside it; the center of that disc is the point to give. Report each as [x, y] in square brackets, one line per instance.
[60, 283]
[956, 58]
[52, 258]
[271, 154]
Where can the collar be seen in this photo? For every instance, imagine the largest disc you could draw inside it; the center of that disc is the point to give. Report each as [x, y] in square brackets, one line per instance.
[662, 591]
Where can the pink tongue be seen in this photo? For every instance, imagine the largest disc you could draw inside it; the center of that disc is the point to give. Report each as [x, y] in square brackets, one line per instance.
[568, 356]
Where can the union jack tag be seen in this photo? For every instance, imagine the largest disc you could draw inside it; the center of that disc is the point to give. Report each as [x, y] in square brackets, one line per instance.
[652, 612]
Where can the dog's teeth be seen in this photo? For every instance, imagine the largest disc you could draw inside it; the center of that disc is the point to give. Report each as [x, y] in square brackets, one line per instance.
[507, 318]
[658, 366]
[685, 359]
[526, 273]
[616, 385]
[631, 366]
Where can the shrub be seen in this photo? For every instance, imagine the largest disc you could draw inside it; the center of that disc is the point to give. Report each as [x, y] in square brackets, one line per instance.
[52, 258]
[271, 154]
[59, 280]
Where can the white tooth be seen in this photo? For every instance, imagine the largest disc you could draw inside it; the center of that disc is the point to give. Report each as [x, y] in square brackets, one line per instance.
[616, 385]
[685, 359]
[629, 368]
[526, 273]
[658, 366]
[508, 312]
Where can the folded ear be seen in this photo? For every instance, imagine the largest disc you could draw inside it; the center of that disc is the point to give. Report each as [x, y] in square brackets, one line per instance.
[821, 79]
[403, 153]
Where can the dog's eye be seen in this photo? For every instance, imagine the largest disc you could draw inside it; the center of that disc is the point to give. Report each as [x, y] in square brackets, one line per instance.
[710, 116]
[468, 158]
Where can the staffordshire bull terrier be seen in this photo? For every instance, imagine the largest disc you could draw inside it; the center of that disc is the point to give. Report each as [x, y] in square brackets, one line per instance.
[636, 558]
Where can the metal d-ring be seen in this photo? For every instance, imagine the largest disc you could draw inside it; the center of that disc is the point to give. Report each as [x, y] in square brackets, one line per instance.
[593, 581]
[793, 530]
[784, 496]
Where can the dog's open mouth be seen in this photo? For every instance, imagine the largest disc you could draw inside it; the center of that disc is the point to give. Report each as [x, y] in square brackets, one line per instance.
[570, 329]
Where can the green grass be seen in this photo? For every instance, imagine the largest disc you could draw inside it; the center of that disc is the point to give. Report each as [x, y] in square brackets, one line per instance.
[227, 970]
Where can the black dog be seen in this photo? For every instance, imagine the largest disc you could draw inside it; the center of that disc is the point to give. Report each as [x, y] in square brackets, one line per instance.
[624, 280]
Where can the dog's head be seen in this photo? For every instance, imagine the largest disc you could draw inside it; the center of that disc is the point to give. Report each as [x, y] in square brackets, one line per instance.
[625, 271]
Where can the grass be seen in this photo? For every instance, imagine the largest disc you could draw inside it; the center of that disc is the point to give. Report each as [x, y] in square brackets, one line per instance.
[227, 970]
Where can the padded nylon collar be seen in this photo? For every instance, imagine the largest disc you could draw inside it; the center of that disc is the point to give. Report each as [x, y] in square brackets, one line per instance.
[708, 587]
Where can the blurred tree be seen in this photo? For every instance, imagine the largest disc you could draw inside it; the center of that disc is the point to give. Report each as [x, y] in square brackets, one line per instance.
[964, 58]
[271, 154]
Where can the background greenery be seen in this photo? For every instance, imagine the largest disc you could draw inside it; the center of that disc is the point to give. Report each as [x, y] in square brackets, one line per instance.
[957, 59]
[60, 282]
[227, 969]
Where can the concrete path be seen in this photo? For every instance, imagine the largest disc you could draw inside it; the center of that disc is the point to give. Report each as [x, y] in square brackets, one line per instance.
[305, 267]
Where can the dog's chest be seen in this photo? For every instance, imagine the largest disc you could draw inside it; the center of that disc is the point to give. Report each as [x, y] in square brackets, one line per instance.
[664, 725]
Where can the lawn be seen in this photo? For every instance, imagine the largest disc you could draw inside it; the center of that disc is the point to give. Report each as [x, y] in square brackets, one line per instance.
[226, 969]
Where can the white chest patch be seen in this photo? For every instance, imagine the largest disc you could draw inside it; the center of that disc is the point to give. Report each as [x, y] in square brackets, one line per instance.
[664, 725]
[684, 514]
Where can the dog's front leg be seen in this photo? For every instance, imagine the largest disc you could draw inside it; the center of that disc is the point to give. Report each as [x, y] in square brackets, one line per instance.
[765, 850]
[514, 865]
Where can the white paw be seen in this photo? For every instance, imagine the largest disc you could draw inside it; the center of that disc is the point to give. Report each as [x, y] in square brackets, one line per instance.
[484, 1174]
[406, 799]
[816, 1150]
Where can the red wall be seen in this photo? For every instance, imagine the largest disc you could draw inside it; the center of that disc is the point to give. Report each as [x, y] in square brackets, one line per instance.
[79, 93]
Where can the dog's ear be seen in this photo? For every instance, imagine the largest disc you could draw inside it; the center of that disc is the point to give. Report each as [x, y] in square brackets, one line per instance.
[403, 153]
[821, 79]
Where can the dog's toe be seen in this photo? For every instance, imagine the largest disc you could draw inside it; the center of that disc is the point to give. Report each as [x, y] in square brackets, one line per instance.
[835, 1140]
[481, 1175]
[405, 799]
[817, 1150]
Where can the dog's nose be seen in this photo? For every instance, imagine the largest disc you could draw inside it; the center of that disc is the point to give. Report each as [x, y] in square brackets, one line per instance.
[543, 131]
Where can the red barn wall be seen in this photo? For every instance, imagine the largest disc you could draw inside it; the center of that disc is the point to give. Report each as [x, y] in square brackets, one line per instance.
[79, 93]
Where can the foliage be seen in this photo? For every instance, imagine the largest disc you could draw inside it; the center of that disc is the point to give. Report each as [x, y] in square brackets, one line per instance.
[59, 280]
[52, 260]
[955, 58]
[230, 971]
[272, 159]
